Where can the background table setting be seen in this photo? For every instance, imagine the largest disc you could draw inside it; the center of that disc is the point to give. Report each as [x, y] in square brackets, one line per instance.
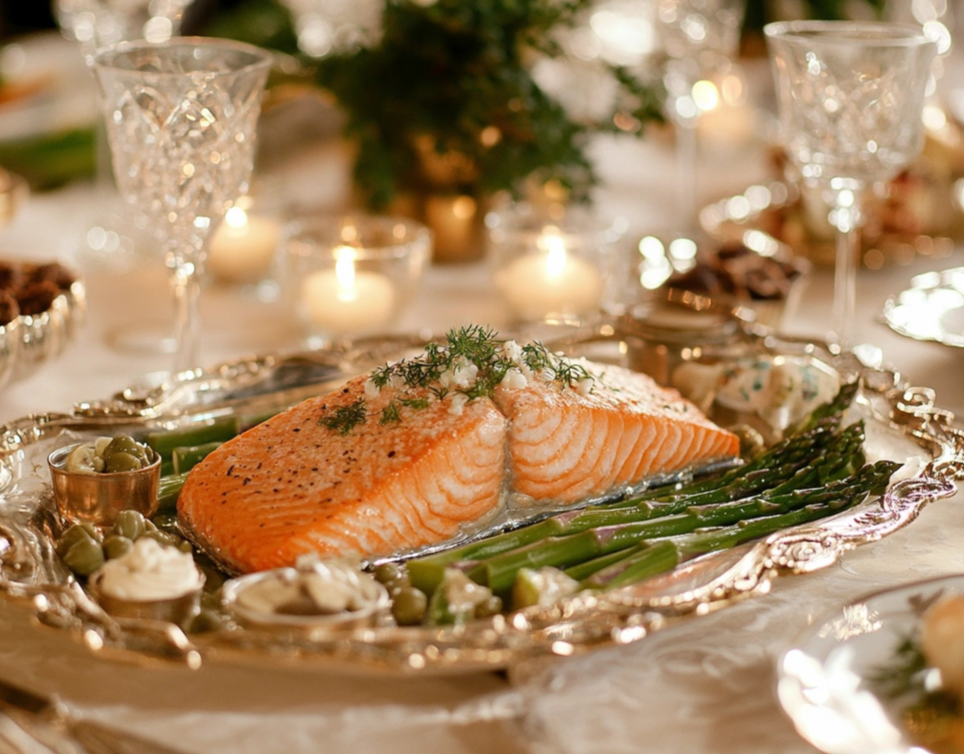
[306, 240]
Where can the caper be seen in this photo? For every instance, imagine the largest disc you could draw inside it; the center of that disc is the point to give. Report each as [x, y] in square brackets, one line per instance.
[75, 533]
[489, 607]
[115, 546]
[130, 524]
[84, 556]
[386, 573]
[129, 446]
[409, 605]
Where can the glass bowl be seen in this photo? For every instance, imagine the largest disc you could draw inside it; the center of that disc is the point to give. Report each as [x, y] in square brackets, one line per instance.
[352, 275]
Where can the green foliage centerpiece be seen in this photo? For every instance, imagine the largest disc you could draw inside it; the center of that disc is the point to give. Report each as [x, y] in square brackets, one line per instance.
[444, 104]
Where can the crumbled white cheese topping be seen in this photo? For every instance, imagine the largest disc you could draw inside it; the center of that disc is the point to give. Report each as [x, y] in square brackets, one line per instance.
[514, 379]
[512, 351]
[461, 376]
[457, 403]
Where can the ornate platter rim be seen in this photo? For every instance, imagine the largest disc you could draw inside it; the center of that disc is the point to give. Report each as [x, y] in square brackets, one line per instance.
[31, 574]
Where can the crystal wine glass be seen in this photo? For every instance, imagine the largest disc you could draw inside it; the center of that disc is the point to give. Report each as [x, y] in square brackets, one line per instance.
[95, 25]
[700, 39]
[181, 123]
[850, 97]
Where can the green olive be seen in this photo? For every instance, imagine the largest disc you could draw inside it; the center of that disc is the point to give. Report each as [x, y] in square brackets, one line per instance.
[409, 605]
[115, 546]
[130, 524]
[128, 445]
[75, 533]
[120, 461]
[386, 573]
[84, 556]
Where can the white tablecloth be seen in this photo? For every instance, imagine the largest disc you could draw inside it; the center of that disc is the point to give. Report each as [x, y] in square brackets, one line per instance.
[706, 685]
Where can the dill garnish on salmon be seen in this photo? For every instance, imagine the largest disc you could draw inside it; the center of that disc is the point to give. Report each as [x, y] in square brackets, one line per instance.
[423, 449]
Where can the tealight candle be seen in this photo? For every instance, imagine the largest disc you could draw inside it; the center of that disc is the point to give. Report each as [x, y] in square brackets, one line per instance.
[550, 281]
[243, 246]
[345, 300]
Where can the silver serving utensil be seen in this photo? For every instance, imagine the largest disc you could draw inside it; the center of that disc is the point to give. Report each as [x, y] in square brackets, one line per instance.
[32, 722]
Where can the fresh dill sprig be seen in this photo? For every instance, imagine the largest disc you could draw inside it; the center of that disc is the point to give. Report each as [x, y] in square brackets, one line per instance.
[905, 673]
[391, 413]
[345, 418]
[471, 348]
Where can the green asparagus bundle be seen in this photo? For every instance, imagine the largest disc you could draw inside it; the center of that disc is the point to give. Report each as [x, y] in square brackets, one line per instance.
[816, 471]
[814, 457]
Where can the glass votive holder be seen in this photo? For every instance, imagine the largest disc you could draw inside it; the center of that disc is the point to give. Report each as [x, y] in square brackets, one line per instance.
[243, 248]
[352, 275]
[558, 266]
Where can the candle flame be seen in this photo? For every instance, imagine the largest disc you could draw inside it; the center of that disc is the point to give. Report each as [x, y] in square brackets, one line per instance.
[345, 273]
[555, 256]
[236, 217]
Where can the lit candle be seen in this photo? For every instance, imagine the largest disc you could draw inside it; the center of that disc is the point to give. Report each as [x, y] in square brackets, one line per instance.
[345, 300]
[242, 247]
[550, 281]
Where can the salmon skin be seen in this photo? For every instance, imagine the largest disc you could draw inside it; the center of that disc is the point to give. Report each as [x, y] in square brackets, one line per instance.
[423, 452]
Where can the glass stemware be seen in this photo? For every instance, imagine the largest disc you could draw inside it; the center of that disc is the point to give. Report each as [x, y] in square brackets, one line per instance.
[181, 123]
[95, 25]
[700, 39]
[850, 97]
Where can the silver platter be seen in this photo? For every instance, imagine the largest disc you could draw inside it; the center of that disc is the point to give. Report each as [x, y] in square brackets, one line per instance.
[903, 422]
[931, 309]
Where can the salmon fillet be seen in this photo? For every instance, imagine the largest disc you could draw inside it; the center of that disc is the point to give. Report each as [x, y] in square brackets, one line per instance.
[319, 478]
[565, 446]
[292, 486]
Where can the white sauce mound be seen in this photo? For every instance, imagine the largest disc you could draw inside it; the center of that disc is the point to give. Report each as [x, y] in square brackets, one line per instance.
[314, 587]
[149, 571]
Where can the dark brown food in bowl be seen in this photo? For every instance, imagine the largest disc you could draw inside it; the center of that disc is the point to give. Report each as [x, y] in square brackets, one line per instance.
[9, 309]
[53, 272]
[736, 271]
[36, 298]
[11, 276]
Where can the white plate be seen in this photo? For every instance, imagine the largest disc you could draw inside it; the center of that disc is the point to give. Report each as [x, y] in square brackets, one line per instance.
[59, 90]
[825, 679]
[931, 309]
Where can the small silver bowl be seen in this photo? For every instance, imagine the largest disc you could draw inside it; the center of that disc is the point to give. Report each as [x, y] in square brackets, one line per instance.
[10, 345]
[375, 606]
[98, 498]
[179, 610]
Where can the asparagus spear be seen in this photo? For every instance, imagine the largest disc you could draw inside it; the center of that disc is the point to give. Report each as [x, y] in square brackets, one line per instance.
[619, 571]
[840, 453]
[498, 572]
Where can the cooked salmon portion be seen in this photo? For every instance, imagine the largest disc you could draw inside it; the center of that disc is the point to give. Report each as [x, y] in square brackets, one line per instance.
[294, 485]
[568, 445]
[415, 454]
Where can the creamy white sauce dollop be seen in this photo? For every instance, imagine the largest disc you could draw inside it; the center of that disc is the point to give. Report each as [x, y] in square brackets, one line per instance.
[149, 571]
